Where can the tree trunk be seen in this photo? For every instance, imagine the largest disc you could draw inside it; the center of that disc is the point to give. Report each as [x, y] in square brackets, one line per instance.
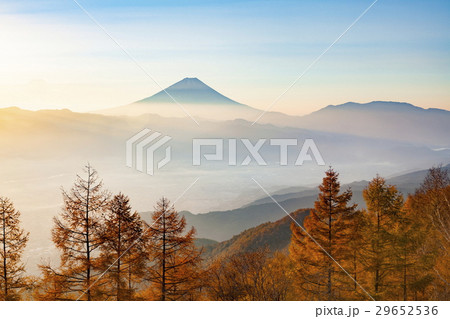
[330, 265]
[119, 252]
[5, 274]
[163, 284]
[88, 246]
[405, 296]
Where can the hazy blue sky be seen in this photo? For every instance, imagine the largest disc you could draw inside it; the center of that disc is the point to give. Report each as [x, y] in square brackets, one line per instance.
[52, 55]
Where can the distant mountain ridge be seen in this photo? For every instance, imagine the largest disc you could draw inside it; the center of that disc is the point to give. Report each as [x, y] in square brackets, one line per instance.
[391, 106]
[378, 119]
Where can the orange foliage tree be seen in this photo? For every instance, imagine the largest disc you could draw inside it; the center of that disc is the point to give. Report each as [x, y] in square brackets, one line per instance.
[319, 276]
[174, 269]
[76, 233]
[123, 256]
[430, 206]
[384, 205]
[13, 240]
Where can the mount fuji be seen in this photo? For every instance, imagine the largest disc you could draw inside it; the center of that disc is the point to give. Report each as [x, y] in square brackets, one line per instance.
[191, 96]
[189, 91]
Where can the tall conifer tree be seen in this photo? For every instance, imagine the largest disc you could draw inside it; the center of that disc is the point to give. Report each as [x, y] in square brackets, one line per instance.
[174, 258]
[13, 240]
[76, 233]
[123, 251]
[320, 277]
[384, 204]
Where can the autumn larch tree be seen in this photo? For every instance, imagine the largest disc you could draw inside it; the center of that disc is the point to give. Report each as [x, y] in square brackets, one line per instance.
[413, 259]
[13, 240]
[174, 259]
[384, 204]
[354, 233]
[320, 277]
[123, 254]
[431, 206]
[76, 233]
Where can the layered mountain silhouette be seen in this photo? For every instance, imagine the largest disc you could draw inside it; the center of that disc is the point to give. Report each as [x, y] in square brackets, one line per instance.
[228, 225]
[388, 120]
[379, 119]
[275, 233]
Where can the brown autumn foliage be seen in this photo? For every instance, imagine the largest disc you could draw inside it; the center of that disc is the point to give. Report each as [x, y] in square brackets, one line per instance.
[413, 258]
[13, 240]
[430, 207]
[123, 257]
[394, 250]
[174, 269]
[251, 276]
[76, 233]
[319, 248]
[384, 205]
